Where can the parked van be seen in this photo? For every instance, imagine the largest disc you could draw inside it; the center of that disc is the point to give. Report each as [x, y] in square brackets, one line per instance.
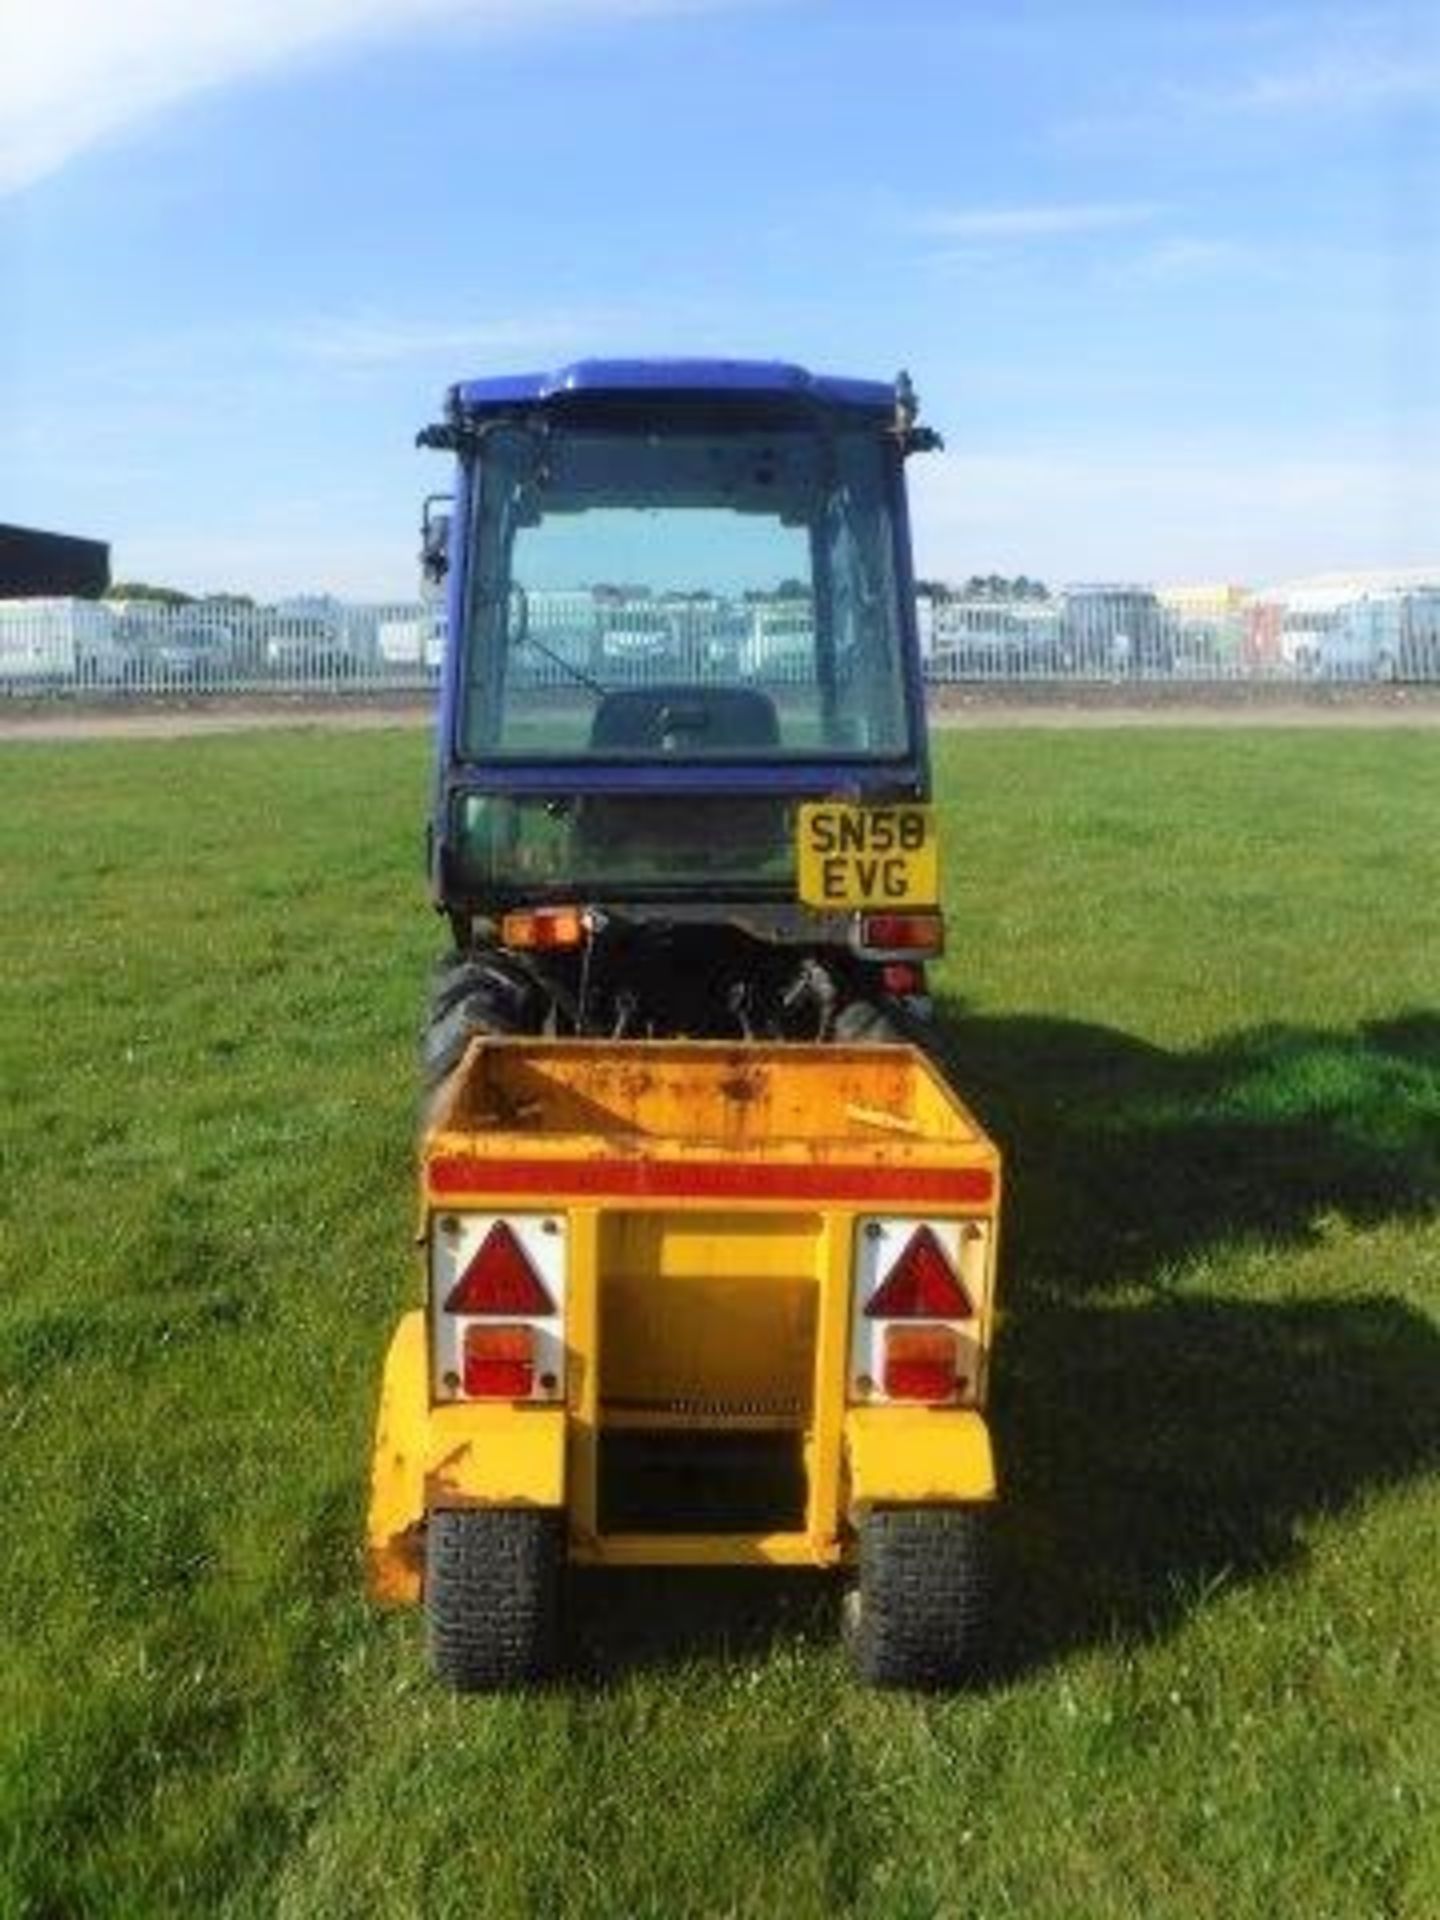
[410, 644]
[781, 642]
[51, 645]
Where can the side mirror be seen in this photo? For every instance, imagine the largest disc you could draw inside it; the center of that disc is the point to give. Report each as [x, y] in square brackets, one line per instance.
[435, 537]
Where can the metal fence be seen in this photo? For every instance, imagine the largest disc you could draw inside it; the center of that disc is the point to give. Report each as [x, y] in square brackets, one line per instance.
[53, 649]
[1118, 633]
[124, 649]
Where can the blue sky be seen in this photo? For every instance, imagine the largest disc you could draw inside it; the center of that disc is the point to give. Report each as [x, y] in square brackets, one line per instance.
[1168, 278]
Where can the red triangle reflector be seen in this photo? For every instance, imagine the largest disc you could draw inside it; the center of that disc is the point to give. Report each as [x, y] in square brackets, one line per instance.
[922, 1285]
[500, 1279]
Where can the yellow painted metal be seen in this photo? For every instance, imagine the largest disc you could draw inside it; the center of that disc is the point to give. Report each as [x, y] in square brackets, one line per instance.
[492, 1454]
[720, 1310]
[903, 1455]
[397, 1468]
[583, 1370]
[823, 1442]
[458, 1455]
[709, 1550]
[708, 1310]
[849, 856]
[713, 1417]
[691, 1103]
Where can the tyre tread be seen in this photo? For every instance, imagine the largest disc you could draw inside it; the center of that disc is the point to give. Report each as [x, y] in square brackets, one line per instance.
[470, 995]
[924, 1595]
[492, 1589]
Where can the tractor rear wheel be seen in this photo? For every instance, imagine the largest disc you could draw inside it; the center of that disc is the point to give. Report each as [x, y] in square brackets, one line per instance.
[492, 1596]
[471, 994]
[865, 1023]
[889, 1023]
[920, 1612]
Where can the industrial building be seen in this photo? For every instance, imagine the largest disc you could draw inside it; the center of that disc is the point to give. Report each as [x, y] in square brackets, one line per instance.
[36, 565]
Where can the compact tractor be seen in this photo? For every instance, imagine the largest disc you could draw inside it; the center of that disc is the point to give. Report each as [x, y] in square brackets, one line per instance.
[708, 1241]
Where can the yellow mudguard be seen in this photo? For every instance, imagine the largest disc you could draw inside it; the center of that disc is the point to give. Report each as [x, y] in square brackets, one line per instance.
[447, 1456]
[903, 1456]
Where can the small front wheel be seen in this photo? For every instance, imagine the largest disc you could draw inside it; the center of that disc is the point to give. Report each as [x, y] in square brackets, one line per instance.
[921, 1610]
[492, 1596]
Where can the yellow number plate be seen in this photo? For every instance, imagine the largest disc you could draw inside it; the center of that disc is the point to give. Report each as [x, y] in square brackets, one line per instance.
[868, 856]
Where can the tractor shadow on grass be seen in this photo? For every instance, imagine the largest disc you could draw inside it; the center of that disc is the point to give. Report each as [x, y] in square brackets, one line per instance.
[1123, 1161]
[1158, 1443]
[1154, 1455]
[623, 1620]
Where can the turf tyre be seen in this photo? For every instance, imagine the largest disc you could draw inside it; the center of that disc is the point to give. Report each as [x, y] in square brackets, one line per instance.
[492, 1596]
[920, 1613]
[864, 1023]
[890, 1023]
[470, 995]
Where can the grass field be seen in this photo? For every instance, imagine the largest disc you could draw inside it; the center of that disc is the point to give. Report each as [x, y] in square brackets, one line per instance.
[1194, 986]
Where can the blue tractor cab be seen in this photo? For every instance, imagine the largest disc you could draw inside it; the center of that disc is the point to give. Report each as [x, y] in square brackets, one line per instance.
[680, 617]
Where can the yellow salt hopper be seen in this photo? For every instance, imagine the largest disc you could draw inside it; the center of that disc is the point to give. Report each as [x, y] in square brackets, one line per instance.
[693, 1304]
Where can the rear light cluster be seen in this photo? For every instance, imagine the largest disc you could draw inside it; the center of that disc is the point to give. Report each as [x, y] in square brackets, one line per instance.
[499, 1363]
[915, 1332]
[919, 936]
[498, 1287]
[544, 928]
[902, 978]
[921, 1363]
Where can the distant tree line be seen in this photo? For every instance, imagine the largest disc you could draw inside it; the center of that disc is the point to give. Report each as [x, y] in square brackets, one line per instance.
[172, 596]
[985, 586]
[979, 586]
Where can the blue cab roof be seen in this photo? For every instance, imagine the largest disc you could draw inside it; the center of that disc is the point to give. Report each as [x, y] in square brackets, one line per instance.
[756, 379]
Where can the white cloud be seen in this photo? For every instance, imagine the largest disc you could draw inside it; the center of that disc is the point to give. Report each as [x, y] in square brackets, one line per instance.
[1033, 222]
[362, 341]
[1339, 69]
[1137, 511]
[1187, 257]
[1151, 512]
[272, 565]
[370, 339]
[76, 71]
[1348, 80]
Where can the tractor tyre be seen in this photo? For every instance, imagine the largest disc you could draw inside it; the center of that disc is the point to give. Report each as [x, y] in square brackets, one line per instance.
[492, 1596]
[471, 994]
[920, 1613]
[891, 1024]
[863, 1023]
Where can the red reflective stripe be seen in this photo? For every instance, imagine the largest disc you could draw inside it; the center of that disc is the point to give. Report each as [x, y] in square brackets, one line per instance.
[710, 1180]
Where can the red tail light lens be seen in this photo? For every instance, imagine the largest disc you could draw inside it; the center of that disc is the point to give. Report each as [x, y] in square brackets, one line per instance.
[902, 977]
[922, 1285]
[499, 1363]
[500, 1279]
[902, 932]
[921, 1363]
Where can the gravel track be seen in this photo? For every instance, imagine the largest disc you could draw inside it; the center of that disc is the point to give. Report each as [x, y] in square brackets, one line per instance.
[1049, 706]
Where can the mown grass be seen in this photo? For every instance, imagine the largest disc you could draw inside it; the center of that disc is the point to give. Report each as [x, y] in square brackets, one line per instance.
[1195, 987]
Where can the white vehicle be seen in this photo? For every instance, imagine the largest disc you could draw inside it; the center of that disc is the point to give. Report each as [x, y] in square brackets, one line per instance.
[1384, 636]
[413, 643]
[1354, 641]
[634, 640]
[306, 646]
[50, 644]
[1353, 648]
[1307, 636]
[781, 642]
